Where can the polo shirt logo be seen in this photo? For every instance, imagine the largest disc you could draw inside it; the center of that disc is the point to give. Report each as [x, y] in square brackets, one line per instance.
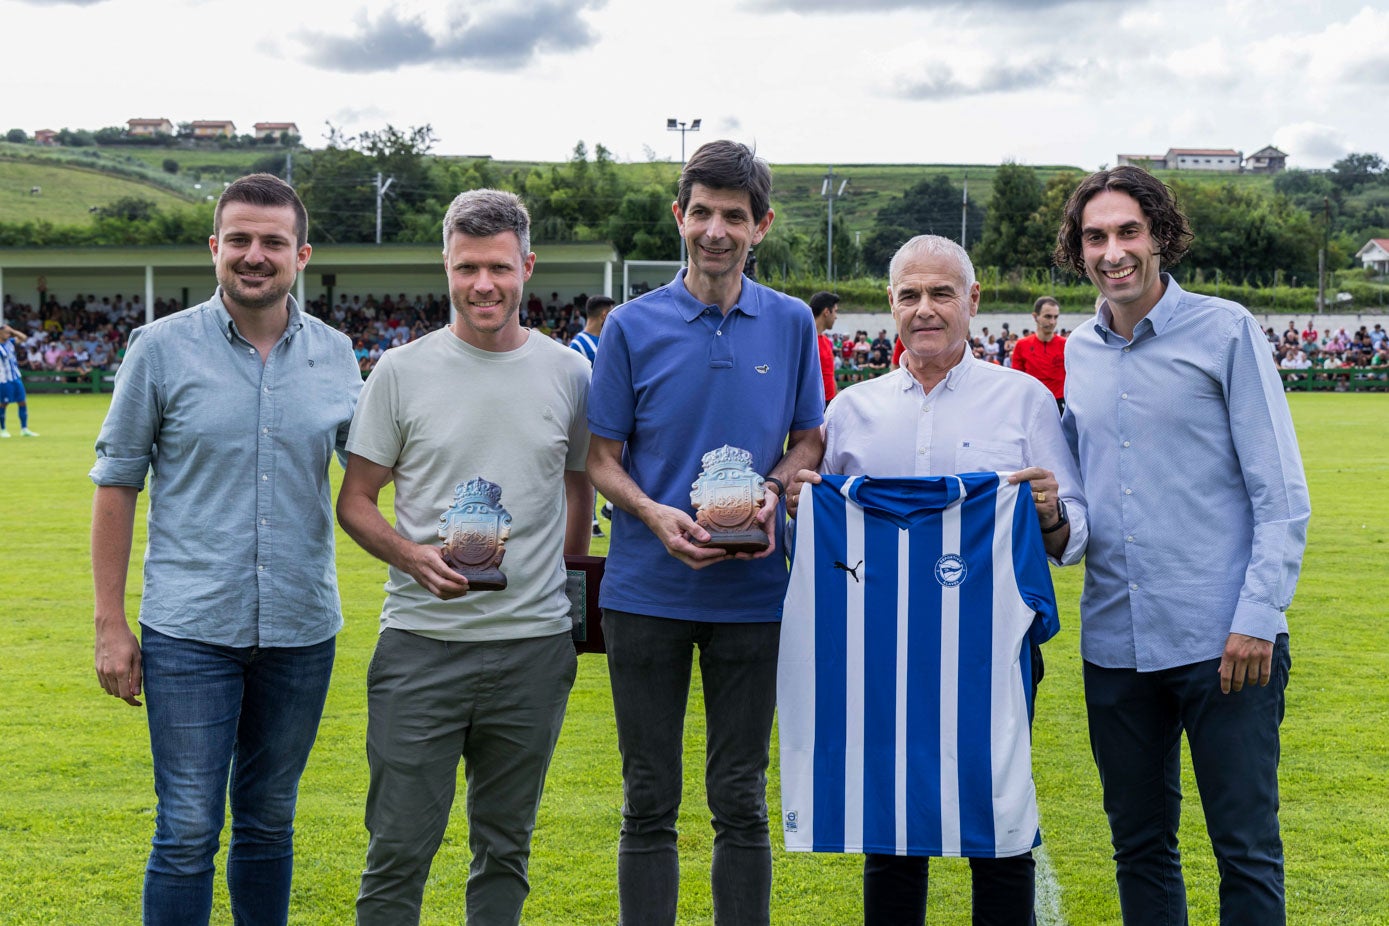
[762, 368]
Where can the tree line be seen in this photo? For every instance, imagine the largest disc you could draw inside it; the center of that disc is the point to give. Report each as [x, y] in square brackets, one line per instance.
[1257, 234]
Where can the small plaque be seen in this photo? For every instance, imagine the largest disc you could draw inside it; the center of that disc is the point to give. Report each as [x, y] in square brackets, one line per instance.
[474, 530]
[727, 496]
[583, 575]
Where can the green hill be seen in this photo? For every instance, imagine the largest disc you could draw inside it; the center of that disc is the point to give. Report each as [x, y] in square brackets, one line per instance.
[68, 193]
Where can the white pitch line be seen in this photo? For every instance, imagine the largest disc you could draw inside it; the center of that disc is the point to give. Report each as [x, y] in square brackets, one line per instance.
[1048, 905]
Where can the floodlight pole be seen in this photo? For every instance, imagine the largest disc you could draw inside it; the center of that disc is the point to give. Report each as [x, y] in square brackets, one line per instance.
[828, 191]
[675, 125]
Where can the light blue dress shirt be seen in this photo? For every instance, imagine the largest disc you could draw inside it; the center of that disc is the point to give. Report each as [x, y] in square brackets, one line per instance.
[1198, 504]
[240, 519]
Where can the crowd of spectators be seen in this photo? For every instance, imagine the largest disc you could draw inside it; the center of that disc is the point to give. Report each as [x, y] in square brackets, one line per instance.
[1306, 349]
[90, 333]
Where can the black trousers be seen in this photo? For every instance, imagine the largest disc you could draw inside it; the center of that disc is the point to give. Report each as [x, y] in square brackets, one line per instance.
[894, 890]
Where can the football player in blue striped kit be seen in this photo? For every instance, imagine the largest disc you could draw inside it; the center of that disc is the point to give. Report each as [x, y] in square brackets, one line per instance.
[945, 412]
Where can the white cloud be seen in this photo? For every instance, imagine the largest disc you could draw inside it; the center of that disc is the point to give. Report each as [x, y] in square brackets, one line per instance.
[1311, 144]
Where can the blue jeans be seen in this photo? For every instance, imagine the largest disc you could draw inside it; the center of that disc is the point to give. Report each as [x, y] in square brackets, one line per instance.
[1136, 723]
[649, 664]
[227, 719]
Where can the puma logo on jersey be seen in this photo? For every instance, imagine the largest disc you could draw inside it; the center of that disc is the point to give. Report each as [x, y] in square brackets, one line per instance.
[851, 571]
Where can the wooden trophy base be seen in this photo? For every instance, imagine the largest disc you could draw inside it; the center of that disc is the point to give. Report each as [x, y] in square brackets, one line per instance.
[490, 579]
[736, 541]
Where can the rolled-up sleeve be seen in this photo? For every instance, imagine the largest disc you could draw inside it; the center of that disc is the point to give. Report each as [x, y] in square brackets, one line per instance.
[125, 446]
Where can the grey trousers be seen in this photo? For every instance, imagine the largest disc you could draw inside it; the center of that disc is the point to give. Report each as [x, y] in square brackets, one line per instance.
[497, 705]
[650, 662]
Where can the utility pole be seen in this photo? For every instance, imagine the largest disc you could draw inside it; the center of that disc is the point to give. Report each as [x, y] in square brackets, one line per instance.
[827, 190]
[380, 195]
[1321, 254]
[964, 212]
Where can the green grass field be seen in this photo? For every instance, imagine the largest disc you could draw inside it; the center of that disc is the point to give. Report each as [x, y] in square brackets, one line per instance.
[76, 799]
[68, 193]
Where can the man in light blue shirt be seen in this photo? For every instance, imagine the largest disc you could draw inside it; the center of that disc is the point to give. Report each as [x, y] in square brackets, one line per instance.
[235, 408]
[1198, 520]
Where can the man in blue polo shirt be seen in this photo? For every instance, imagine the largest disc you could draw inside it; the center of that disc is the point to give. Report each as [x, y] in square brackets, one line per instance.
[711, 358]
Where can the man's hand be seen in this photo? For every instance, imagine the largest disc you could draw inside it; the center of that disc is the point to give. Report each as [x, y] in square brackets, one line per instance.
[118, 660]
[766, 519]
[675, 529]
[1046, 494]
[1246, 659]
[426, 566]
[793, 491]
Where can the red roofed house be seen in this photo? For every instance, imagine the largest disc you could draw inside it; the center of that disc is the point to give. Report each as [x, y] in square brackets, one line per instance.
[149, 127]
[212, 128]
[273, 130]
[1375, 255]
[45, 137]
[1204, 159]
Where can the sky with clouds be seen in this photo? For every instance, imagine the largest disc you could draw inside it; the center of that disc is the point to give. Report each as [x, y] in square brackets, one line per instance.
[807, 81]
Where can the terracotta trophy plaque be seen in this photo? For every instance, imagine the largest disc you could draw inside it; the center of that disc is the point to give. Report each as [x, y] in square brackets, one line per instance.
[475, 529]
[727, 496]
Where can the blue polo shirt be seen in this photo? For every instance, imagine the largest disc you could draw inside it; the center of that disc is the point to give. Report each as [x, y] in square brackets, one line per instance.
[674, 380]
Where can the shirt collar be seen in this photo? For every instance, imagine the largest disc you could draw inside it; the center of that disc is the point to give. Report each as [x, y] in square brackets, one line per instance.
[954, 377]
[227, 325]
[691, 308]
[1157, 320]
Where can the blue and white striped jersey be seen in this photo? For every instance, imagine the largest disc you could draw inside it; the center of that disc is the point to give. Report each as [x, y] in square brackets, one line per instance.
[904, 684]
[586, 344]
[9, 361]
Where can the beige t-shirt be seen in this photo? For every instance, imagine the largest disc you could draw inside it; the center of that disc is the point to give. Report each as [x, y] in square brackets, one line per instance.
[439, 413]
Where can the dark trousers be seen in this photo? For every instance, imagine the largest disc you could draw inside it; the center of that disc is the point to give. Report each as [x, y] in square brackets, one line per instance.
[1136, 723]
[895, 886]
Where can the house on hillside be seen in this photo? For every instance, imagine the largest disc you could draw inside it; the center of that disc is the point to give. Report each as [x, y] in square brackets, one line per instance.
[1375, 256]
[45, 137]
[149, 127]
[1225, 159]
[213, 128]
[273, 130]
[1267, 160]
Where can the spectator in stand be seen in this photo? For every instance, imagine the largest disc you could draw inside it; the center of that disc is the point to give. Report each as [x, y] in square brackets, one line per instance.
[825, 307]
[881, 351]
[1043, 354]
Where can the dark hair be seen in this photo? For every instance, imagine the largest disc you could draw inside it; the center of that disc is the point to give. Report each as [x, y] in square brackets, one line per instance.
[728, 165]
[1044, 300]
[264, 190]
[821, 301]
[598, 304]
[484, 213]
[1166, 223]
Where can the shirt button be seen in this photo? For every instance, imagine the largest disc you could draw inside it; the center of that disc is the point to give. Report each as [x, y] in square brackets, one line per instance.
[265, 521]
[1127, 349]
[1128, 491]
[1133, 586]
[267, 391]
[1122, 396]
[925, 409]
[1128, 539]
[262, 569]
[921, 453]
[718, 334]
[264, 477]
[250, 350]
[1126, 443]
[267, 431]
